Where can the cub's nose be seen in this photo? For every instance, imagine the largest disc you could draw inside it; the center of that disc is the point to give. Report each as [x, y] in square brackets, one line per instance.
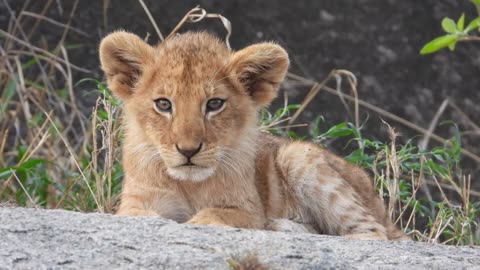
[188, 152]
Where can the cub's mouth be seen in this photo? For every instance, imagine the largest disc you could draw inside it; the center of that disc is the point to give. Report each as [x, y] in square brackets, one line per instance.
[190, 172]
[188, 164]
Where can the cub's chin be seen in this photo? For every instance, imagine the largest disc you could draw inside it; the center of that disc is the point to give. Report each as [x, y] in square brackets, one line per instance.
[190, 173]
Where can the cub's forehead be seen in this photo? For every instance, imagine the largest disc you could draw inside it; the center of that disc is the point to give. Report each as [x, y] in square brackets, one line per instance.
[191, 60]
[192, 52]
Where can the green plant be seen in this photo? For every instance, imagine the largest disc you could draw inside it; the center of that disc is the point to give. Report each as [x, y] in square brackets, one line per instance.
[89, 180]
[455, 32]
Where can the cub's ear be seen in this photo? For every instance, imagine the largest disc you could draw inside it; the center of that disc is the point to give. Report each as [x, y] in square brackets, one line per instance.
[123, 56]
[260, 69]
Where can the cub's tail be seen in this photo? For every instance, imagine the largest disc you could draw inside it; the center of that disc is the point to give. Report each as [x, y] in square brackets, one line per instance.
[395, 234]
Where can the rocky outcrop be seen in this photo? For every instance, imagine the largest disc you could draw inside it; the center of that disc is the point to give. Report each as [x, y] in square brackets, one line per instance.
[58, 239]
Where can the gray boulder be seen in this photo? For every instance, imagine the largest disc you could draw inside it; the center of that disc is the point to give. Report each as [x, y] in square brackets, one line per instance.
[58, 239]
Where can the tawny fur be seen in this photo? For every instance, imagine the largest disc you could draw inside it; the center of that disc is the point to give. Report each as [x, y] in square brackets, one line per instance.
[241, 177]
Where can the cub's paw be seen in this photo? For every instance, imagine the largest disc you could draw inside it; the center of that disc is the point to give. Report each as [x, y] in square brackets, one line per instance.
[367, 236]
[287, 225]
[201, 220]
[137, 213]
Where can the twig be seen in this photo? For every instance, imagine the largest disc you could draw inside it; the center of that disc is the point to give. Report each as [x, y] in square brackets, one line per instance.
[309, 97]
[27, 43]
[464, 115]
[412, 214]
[22, 91]
[424, 143]
[470, 38]
[46, 7]
[106, 4]
[197, 14]
[352, 80]
[24, 190]
[41, 17]
[70, 151]
[441, 229]
[73, 103]
[445, 186]
[29, 152]
[67, 28]
[150, 17]
[47, 53]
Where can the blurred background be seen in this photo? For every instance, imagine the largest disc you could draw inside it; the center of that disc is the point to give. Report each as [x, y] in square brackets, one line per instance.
[377, 40]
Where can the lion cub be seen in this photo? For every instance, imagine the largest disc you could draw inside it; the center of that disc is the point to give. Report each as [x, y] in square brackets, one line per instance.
[193, 152]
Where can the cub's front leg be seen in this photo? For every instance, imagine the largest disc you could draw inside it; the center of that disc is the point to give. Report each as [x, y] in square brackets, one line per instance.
[230, 217]
[139, 200]
[134, 204]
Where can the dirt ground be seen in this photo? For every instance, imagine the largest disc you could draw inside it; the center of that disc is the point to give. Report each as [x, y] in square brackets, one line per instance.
[378, 40]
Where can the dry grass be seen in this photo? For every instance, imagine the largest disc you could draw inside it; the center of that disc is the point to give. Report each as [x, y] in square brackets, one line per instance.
[247, 262]
[54, 156]
[47, 143]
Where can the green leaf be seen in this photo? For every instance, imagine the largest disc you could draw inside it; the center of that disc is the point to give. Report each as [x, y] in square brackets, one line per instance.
[286, 110]
[438, 43]
[315, 126]
[449, 25]
[473, 25]
[103, 115]
[461, 23]
[293, 106]
[5, 172]
[29, 63]
[338, 131]
[452, 46]
[476, 2]
[30, 163]
[74, 46]
[21, 150]
[87, 80]
[436, 168]
[8, 92]
[293, 135]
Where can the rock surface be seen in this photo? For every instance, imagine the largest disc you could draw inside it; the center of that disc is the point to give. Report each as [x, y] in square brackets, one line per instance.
[58, 239]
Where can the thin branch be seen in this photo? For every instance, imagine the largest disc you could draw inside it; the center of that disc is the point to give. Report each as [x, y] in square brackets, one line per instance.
[433, 124]
[41, 17]
[150, 17]
[47, 53]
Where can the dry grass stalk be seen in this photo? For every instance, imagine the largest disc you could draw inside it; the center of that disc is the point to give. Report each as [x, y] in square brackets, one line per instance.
[248, 262]
[433, 124]
[54, 22]
[196, 15]
[152, 21]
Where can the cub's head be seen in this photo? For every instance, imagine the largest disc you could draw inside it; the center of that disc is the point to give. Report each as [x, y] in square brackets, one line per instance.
[191, 99]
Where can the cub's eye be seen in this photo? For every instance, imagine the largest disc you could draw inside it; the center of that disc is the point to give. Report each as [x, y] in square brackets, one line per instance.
[163, 105]
[215, 104]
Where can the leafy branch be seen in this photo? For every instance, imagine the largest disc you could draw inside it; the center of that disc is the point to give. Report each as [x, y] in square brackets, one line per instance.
[455, 32]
